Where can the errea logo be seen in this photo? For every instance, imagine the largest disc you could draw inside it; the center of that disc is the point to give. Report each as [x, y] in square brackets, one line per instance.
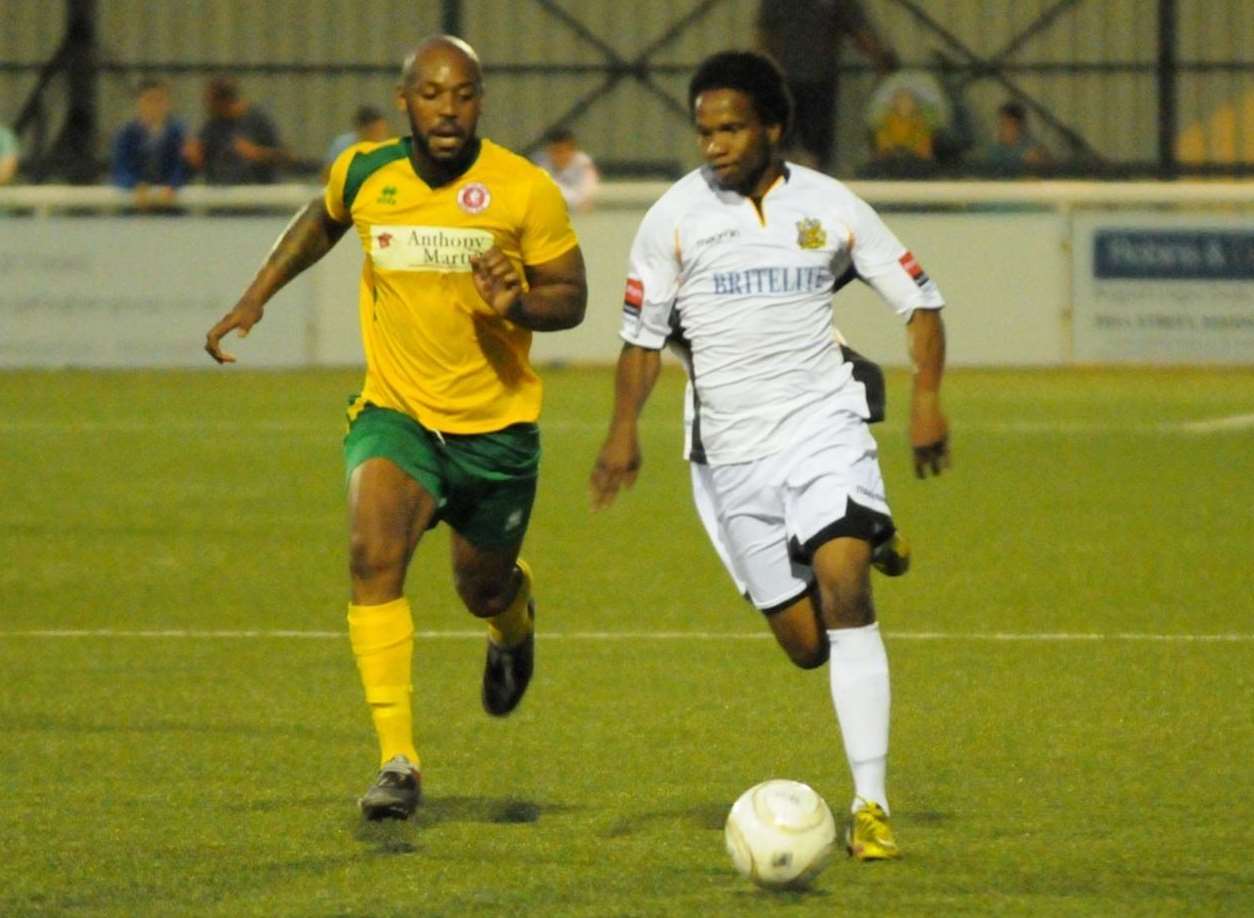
[387, 196]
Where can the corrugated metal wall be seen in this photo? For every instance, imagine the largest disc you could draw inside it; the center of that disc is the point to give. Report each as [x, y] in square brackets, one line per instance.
[1115, 112]
[29, 34]
[255, 39]
[629, 122]
[1219, 103]
[1107, 102]
[187, 40]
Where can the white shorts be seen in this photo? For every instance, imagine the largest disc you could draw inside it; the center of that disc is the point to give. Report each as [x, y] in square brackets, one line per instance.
[766, 517]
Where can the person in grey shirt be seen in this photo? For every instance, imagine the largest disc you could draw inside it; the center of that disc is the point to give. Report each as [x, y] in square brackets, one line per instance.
[239, 143]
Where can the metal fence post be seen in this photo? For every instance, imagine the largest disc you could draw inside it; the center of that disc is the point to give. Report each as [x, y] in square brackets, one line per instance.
[451, 17]
[1168, 88]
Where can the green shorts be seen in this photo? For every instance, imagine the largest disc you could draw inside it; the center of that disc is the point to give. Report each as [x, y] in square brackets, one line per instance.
[484, 485]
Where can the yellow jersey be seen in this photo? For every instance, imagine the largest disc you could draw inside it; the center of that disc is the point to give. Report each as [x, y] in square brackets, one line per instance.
[434, 349]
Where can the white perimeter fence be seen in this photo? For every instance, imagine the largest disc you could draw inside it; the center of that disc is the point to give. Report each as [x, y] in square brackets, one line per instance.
[1035, 274]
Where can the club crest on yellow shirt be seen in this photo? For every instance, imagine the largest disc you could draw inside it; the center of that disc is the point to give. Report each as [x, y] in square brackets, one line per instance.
[810, 233]
[474, 198]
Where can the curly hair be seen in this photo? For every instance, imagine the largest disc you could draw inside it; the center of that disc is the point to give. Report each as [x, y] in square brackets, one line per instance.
[750, 72]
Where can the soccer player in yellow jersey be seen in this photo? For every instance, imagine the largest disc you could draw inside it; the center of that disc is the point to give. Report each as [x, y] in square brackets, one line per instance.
[469, 249]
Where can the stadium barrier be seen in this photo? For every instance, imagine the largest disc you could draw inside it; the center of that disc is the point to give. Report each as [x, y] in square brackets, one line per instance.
[1037, 274]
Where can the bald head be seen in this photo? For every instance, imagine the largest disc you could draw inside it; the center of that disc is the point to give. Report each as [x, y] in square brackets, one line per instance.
[440, 53]
[442, 92]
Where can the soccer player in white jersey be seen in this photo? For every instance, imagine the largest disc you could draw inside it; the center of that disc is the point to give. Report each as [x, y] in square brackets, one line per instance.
[738, 261]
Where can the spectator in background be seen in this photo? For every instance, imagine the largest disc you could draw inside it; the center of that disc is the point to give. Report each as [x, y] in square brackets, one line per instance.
[148, 149]
[906, 115]
[8, 155]
[905, 131]
[368, 125]
[804, 37]
[1014, 150]
[238, 143]
[573, 169]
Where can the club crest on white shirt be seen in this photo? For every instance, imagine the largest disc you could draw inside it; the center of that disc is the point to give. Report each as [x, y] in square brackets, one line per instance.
[810, 233]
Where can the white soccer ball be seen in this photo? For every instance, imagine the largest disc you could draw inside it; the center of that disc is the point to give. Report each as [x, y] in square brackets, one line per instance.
[780, 834]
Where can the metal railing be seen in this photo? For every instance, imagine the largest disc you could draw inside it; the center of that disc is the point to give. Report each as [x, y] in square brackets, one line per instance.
[1063, 196]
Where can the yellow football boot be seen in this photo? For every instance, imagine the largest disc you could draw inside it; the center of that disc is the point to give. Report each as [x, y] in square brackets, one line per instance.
[869, 836]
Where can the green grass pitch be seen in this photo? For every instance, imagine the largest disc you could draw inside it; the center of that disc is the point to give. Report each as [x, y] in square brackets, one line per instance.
[214, 770]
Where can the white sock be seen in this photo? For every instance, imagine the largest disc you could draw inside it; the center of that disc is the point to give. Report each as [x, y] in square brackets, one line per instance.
[859, 678]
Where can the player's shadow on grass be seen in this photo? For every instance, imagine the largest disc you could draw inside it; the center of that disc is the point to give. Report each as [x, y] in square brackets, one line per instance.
[773, 898]
[388, 836]
[498, 811]
[709, 815]
[393, 837]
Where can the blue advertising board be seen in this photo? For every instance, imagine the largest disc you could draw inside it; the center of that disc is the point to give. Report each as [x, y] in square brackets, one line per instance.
[1212, 255]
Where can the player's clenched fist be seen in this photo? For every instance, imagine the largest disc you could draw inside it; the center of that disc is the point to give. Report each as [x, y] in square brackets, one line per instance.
[497, 280]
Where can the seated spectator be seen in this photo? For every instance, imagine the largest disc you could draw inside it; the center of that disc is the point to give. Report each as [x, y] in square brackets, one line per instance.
[573, 169]
[148, 149]
[907, 113]
[904, 129]
[368, 125]
[8, 155]
[238, 143]
[1014, 151]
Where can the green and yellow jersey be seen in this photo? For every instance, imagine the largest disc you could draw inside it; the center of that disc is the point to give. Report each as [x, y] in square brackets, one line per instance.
[434, 349]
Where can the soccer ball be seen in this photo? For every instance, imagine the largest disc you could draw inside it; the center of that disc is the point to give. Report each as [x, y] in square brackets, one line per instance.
[780, 834]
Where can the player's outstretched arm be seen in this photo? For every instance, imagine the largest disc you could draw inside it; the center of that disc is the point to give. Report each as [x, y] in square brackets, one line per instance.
[556, 296]
[309, 236]
[619, 461]
[929, 431]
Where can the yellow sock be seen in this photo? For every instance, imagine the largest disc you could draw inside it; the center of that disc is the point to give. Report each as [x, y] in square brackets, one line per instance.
[383, 643]
[513, 625]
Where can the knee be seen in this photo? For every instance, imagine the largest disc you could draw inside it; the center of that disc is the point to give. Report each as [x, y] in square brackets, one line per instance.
[809, 655]
[842, 570]
[484, 598]
[848, 608]
[812, 659]
[372, 558]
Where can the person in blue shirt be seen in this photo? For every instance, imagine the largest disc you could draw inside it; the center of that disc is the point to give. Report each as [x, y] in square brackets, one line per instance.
[148, 149]
[369, 124]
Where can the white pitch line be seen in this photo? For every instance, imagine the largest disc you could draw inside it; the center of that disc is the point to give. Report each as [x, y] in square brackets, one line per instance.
[175, 425]
[1215, 425]
[222, 634]
[333, 429]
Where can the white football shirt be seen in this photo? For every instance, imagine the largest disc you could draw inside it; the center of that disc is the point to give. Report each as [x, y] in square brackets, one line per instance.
[749, 295]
